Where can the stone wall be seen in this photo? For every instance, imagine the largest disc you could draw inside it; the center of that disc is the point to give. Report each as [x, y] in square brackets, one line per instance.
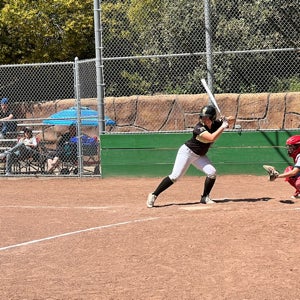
[180, 112]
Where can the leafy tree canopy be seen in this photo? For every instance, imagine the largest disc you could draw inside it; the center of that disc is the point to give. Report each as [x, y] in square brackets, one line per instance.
[43, 31]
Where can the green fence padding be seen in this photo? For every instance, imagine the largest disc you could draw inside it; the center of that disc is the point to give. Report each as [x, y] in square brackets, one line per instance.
[153, 155]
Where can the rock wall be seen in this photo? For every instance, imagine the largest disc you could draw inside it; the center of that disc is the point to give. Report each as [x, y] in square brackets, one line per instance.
[180, 112]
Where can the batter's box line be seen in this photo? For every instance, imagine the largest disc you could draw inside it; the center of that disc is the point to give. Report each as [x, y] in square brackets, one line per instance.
[202, 207]
[77, 232]
[61, 207]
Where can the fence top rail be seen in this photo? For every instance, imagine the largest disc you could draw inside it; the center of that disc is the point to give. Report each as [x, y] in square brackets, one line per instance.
[36, 64]
[200, 53]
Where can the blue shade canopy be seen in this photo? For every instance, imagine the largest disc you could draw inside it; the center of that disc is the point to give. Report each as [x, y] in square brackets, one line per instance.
[89, 117]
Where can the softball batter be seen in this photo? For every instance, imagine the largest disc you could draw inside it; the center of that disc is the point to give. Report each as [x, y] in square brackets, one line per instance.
[193, 151]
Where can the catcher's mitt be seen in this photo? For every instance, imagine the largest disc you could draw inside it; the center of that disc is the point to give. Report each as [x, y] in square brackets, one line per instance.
[273, 173]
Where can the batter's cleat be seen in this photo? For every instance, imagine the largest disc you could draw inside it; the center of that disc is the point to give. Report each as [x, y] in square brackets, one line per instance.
[150, 200]
[206, 200]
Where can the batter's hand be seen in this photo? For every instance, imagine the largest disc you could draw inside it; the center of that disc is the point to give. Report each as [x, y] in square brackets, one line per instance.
[224, 123]
[230, 120]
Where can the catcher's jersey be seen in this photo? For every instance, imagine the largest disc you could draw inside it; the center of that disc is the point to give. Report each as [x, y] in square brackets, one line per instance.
[297, 161]
[195, 143]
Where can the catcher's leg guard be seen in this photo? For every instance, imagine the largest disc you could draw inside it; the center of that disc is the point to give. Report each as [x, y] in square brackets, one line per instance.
[287, 169]
[297, 184]
[293, 181]
[290, 180]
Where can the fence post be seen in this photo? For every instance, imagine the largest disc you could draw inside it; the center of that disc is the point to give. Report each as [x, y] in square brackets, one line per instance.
[99, 64]
[78, 123]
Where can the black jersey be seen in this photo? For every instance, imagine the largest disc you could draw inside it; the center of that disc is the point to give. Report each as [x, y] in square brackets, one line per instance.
[195, 144]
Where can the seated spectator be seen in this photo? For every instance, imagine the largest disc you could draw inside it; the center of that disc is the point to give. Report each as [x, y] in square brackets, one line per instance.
[25, 148]
[63, 148]
[6, 114]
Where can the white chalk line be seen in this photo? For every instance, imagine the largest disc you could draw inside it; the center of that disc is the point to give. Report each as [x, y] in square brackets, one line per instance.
[59, 207]
[76, 232]
[195, 207]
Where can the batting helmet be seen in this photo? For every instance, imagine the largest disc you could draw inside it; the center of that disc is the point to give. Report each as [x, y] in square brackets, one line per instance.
[208, 111]
[293, 146]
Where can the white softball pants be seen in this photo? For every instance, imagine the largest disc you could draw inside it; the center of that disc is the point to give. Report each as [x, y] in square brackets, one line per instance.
[186, 157]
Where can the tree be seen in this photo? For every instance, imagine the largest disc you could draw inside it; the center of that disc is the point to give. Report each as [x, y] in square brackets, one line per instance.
[59, 30]
[167, 27]
[44, 31]
[256, 25]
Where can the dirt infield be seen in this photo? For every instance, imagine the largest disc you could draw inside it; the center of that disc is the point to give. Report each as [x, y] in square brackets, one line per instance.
[96, 239]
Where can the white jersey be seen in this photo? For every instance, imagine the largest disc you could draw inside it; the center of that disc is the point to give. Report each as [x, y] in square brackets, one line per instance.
[297, 161]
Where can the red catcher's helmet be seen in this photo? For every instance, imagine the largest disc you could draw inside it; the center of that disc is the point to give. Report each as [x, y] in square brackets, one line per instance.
[293, 146]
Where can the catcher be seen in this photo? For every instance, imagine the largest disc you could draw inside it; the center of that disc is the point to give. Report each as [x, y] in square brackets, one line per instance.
[291, 173]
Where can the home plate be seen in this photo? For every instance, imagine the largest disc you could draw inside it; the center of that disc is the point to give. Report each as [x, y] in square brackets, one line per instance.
[195, 207]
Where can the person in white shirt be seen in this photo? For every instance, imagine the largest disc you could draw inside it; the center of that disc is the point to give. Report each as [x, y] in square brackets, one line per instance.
[25, 148]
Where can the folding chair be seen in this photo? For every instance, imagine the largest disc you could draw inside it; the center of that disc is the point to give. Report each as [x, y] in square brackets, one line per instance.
[90, 156]
[90, 153]
[33, 164]
[69, 160]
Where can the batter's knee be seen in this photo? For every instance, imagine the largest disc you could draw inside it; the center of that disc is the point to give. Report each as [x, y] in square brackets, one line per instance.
[212, 176]
[210, 171]
[173, 179]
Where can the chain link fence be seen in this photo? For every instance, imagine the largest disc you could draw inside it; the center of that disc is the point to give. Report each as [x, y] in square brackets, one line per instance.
[252, 71]
[246, 48]
[46, 98]
[253, 47]
[153, 60]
